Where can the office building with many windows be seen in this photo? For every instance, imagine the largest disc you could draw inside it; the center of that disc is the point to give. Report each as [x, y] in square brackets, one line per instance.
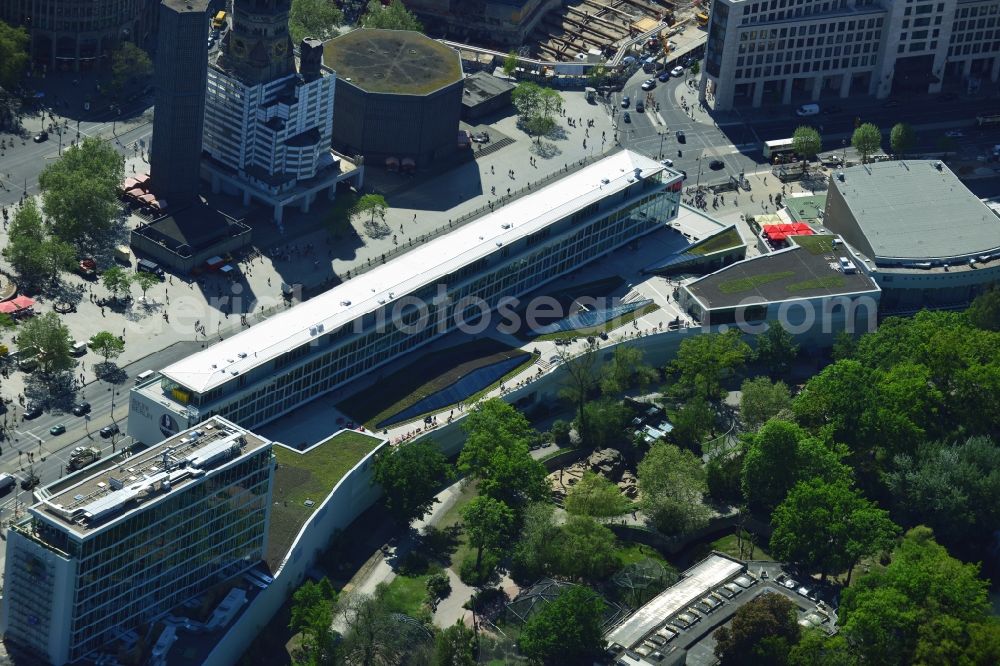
[113, 547]
[377, 317]
[793, 51]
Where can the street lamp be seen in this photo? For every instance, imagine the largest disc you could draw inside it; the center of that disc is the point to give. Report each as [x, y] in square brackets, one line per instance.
[843, 158]
[662, 136]
[698, 181]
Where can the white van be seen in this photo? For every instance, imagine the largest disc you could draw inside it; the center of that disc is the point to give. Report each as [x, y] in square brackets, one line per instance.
[807, 110]
[144, 375]
[79, 348]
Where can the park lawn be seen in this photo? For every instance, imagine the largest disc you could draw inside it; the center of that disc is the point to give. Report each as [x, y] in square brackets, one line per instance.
[738, 285]
[729, 545]
[725, 240]
[428, 374]
[606, 327]
[630, 552]
[406, 593]
[309, 476]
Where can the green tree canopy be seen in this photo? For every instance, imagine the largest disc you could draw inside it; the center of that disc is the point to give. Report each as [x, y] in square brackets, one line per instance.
[606, 422]
[31, 251]
[13, 55]
[392, 17]
[510, 63]
[314, 18]
[952, 488]
[762, 632]
[106, 345]
[455, 646]
[828, 527]
[536, 106]
[595, 496]
[79, 190]
[487, 523]
[693, 422]
[780, 455]
[703, 361]
[49, 338]
[312, 618]
[775, 349]
[925, 607]
[901, 139]
[566, 631]
[672, 485]
[761, 399]
[372, 635]
[580, 382]
[116, 280]
[129, 63]
[867, 140]
[371, 204]
[625, 370]
[145, 281]
[582, 549]
[410, 475]
[984, 312]
[806, 142]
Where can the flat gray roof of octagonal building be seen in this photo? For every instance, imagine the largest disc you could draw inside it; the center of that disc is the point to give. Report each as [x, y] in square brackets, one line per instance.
[399, 62]
[914, 210]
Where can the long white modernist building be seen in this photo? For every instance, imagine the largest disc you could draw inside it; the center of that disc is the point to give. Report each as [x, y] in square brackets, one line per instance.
[323, 343]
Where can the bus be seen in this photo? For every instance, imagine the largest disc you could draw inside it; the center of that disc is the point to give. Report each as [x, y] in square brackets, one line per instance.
[778, 148]
[702, 18]
[219, 21]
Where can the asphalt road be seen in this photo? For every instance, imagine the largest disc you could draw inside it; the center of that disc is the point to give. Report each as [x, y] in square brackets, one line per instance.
[33, 435]
[738, 138]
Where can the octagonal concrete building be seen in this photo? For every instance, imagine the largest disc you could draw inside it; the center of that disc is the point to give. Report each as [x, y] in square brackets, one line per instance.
[399, 96]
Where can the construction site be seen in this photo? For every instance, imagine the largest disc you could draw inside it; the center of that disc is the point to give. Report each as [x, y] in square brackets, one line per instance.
[593, 26]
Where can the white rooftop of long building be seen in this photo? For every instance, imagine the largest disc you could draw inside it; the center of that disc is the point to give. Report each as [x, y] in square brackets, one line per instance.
[696, 583]
[425, 264]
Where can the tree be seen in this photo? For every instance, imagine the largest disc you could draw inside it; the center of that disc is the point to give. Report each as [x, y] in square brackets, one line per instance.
[455, 646]
[13, 55]
[829, 527]
[901, 139]
[692, 424]
[867, 140]
[722, 474]
[510, 63]
[695, 68]
[924, 607]
[106, 345]
[672, 484]
[761, 399]
[704, 360]
[374, 204]
[312, 617]
[625, 370]
[560, 433]
[49, 338]
[313, 18]
[946, 145]
[487, 523]
[762, 632]
[116, 280]
[580, 381]
[129, 62]
[567, 630]
[491, 425]
[32, 253]
[983, 312]
[581, 548]
[775, 350]
[597, 76]
[392, 17]
[144, 281]
[410, 475]
[806, 143]
[531, 552]
[817, 648]
[536, 107]
[80, 190]
[371, 637]
[780, 455]
[952, 488]
[607, 424]
[593, 495]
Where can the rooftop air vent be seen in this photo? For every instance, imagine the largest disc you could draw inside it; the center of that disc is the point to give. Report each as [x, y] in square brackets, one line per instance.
[505, 225]
[499, 243]
[242, 354]
[939, 166]
[605, 181]
[840, 176]
[345, 303]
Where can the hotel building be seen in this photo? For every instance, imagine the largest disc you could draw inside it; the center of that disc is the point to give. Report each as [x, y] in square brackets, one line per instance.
[120, 543]
[375, 318]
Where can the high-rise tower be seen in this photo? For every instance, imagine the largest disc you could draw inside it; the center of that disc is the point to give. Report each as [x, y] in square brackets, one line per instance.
[181, 76]
[258, 49]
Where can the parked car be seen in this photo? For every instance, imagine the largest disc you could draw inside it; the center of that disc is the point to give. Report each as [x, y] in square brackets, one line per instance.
[109, 430]
[667, 163]
[663, 76]
[32, 411]
[954, 134]
[790, 583]
[626, 101]
[81, 409]
[41, 136]
[147, 266]
[57, 429]
[677, 71]
[649, 84]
